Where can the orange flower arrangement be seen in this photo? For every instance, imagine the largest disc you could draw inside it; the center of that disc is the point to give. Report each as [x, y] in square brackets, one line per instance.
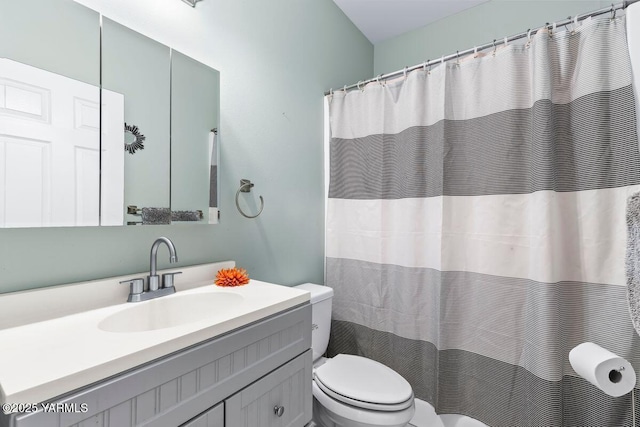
[232, 277]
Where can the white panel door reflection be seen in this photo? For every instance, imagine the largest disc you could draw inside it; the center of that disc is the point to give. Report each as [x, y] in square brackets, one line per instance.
[50, 150]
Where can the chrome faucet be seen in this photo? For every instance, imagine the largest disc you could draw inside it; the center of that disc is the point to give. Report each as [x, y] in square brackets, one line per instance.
[153, 279]
[137, 291]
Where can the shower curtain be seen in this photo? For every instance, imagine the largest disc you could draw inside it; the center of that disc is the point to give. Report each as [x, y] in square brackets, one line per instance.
[476, 225]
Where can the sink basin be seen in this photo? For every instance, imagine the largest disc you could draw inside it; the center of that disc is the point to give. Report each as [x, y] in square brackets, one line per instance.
[167, 312]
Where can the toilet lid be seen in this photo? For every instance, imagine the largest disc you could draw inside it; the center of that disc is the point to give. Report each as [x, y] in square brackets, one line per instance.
[364, 382]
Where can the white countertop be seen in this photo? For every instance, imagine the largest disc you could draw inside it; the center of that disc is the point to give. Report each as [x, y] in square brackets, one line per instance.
[39, 361]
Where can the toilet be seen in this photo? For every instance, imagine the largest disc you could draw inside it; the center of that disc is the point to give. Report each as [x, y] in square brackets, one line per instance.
[352, 391]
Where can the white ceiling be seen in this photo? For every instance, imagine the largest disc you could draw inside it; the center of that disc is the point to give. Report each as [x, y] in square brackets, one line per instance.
[383, 19]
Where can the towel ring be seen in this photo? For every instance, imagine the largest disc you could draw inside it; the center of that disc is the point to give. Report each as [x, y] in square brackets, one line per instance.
[245, 187]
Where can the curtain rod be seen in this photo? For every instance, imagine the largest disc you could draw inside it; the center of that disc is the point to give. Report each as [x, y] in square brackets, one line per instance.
[528, 33]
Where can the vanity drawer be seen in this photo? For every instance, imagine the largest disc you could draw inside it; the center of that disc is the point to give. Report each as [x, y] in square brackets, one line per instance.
[214, 417]
[281, 399]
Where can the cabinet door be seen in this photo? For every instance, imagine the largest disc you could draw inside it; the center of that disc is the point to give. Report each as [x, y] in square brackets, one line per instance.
[214, 417]
[281, 399]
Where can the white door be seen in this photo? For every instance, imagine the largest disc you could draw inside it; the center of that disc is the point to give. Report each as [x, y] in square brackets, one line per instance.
[49, 149]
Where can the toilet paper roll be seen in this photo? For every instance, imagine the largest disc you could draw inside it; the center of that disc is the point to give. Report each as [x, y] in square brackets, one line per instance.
[602, 368]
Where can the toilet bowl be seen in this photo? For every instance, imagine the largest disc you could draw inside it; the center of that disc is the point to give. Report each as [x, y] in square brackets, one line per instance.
[348, 390]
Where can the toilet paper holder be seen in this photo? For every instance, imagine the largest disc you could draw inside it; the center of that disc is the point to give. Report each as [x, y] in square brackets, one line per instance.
[615, 375]
[607, 371]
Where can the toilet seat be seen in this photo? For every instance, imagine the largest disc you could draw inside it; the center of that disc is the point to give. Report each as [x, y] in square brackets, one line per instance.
[364, 383]
[328, 410]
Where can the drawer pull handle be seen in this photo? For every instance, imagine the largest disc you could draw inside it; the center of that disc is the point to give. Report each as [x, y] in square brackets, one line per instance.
[278, 410]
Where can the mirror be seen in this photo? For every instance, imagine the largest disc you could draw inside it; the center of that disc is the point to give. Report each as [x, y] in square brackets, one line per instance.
[194, 149]
[141, 150]
[49, 114]
[136, 82]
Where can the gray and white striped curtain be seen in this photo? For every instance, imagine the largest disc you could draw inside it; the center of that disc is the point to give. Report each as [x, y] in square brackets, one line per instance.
[476, 226]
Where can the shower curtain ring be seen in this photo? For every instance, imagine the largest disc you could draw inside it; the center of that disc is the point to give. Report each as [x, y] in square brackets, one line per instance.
[405, 71]
[613, 12]
[361, 82]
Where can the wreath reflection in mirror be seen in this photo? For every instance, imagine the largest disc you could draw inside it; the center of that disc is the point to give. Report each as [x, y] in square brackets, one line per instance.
[133, 139]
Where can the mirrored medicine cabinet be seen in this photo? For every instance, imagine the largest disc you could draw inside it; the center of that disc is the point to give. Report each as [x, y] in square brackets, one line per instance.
[99, 123]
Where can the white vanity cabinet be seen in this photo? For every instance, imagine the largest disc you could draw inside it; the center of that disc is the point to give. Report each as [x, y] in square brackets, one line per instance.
[256, 375]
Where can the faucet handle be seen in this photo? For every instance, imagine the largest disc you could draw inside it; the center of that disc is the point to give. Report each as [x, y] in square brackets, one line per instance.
[136, 286]
[168, 279]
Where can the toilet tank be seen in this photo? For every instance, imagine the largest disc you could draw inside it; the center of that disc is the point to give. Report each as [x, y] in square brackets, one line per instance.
[321, 297]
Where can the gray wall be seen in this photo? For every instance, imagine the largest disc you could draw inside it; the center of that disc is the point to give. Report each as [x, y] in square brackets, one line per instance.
[478, 25]
[275, 60]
